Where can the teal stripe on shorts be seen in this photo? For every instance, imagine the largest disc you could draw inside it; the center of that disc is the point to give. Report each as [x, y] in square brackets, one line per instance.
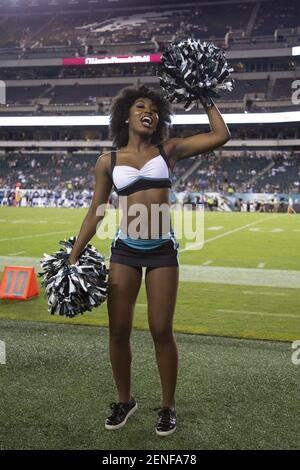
[143, 244]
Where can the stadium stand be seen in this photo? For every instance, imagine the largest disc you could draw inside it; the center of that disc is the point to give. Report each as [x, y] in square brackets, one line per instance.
[67, 170]
[276, 15]
[234, 25]
[283, 177]
[263, 82]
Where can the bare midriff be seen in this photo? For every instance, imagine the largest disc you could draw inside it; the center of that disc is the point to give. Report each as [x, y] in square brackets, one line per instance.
[146, 213]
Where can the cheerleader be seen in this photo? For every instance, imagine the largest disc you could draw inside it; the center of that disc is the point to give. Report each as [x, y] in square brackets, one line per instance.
[140, 171]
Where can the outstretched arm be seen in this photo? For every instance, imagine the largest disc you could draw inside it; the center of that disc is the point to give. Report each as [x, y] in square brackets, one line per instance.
[102, 190]
[179, 148]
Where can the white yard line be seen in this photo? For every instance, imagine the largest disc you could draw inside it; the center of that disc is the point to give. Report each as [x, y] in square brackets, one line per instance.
[215, 228]
[261, 265]
[17, 253]
[240, 276]
[250, 292]
[63, 222]
[261, 314]
[280, 278]
[19, 261]
[36, 235]
[207, 263]
[230, 232]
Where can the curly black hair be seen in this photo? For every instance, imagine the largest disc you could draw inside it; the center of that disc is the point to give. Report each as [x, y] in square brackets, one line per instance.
[119, 112]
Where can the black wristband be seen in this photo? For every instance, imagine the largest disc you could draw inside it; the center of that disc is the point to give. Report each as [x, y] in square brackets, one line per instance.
[207, 102]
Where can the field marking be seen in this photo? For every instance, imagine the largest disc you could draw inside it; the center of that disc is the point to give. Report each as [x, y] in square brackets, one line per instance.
[26, 221]
[281, 278]
[19, 261]
[261, 265]
[238, 229]
[261, 314]
[218, 227]
[37, 235]
[61, 222]
[230, 232]
[207, 263]
[17, 253]
[261, 230]
[247, 292]
[250, 292]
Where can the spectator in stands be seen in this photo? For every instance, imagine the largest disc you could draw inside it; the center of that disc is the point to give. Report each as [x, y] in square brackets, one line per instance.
[210, 203]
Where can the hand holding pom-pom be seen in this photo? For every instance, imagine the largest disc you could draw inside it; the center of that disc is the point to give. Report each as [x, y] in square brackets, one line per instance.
[193, 71]
[74, 288]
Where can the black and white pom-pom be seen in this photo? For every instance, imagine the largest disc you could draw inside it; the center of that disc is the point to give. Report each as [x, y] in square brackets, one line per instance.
[193, 71]
[73, 289]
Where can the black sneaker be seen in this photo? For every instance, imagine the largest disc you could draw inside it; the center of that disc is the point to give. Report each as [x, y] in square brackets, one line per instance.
[166, 421]
[120, 414]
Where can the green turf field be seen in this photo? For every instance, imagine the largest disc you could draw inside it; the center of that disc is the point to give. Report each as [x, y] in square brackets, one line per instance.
[232, 393]
[57, 385]
[243, 283]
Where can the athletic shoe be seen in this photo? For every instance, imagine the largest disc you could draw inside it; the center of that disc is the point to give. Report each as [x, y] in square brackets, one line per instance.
[166, 421]
[120, 414]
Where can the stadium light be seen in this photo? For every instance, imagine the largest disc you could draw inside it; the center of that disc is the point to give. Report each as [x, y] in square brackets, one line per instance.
[245, 118]
[178, 119]
[296, 50]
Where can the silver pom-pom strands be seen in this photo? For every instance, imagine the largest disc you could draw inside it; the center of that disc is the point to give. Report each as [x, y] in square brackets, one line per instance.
[74, 288]
[193, 71]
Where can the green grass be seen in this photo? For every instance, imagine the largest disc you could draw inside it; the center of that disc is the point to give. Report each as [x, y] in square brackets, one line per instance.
[232, 393]
[38, 230]
[196, 312]
[241, 241]
[57, 385]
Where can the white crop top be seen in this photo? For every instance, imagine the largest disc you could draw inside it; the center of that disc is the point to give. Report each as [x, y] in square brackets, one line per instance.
[154, 174]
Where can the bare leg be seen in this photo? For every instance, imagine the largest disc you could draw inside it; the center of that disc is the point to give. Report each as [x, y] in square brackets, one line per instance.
[291, 210]
[123, 286]
[161, 288]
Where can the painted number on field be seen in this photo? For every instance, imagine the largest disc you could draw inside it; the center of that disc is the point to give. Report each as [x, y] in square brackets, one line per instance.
[296, 353]
[2, 353]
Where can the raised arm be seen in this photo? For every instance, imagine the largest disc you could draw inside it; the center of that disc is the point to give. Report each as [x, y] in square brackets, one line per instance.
[185, 147]
[103, 184]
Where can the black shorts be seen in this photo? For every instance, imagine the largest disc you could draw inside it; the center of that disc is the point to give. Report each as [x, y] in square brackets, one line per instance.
[161, 256]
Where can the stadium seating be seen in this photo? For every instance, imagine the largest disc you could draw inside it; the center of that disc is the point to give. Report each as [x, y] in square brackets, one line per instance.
[214, 173]
[284, 176]
[117, 31]
[78, 93]
[105, 28]
[273, 15]
[77, 29]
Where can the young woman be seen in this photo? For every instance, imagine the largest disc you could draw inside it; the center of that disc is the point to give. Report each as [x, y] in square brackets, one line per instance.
[140, 171]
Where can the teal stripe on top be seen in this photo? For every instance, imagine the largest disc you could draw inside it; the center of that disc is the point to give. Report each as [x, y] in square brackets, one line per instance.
[143, 244]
